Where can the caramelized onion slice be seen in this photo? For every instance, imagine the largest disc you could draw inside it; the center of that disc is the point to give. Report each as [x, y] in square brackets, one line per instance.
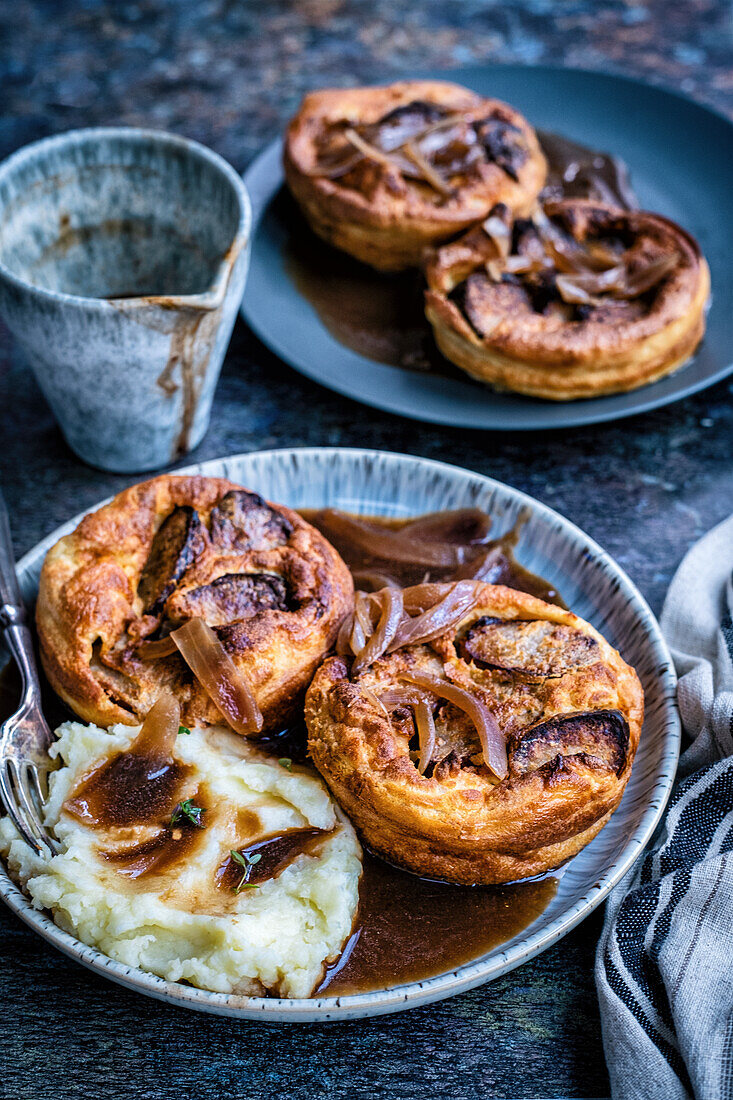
[648, 276]
[343, 639]
[493, 745]
[153, 650]
[401, 696]
[423, 715]
[602, 254]
[357, 638]
[616, 281]
[574, 293]
[426, 734]
[334, 166]
[498, 227]
[361, 627]
[218, 675]
[370, 580]
[570, 258]
[373, 152]
[593, 282]
[450, 122]
[371, 696]
[443, 615]
[485, 565]
[385, 139]
[363, 605]
[463, 526]
[429, 174]
[419, 597]
[394, 158]
[159, 730]
[450, 142]
[381, 543]
[390, 600]
[525, 265]
[403, 124]
[567, 254]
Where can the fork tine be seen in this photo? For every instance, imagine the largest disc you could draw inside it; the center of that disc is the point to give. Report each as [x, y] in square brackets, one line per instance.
[23, 805]
[31, 787]
[11, 807]
[34, 781]
[24, 808]
[32, 818]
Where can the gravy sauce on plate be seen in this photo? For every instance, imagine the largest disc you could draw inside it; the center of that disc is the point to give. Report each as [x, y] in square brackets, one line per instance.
[409, 929]
[382, 317]
[488, 559]
[268, 857]
[406, 928]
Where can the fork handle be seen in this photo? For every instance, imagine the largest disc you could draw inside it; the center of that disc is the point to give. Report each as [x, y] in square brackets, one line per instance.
[12, 609]
[13, 622]
[20, 643]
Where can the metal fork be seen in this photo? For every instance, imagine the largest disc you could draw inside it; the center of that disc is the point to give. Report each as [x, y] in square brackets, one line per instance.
[25, 737]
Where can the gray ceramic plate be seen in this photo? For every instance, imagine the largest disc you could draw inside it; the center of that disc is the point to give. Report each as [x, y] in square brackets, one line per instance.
[591, 583]
[681, 160]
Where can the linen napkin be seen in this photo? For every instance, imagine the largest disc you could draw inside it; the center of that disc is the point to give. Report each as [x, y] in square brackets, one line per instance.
[664, 965]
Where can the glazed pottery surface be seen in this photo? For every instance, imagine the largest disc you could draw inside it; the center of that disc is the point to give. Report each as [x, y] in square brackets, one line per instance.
[680, 155]
[123, 258]
[374, 482]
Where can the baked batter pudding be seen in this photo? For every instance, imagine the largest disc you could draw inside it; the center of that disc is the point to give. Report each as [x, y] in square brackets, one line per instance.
[193, 857]
[580, 299]
[383, 172]
[195, 587]
[474, 733]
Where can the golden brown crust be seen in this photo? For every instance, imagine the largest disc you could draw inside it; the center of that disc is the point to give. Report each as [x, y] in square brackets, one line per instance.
[273, 587]
[553, 351]
[571, 739]
[377, 214]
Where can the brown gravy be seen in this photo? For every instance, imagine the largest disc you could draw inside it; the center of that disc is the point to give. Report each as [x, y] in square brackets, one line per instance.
[275, 854]
[128, 789]
[157, 855]
[408, 929]
[135, 792]
[501, 566]
[576, 172]
[378, 316]
[382, 316]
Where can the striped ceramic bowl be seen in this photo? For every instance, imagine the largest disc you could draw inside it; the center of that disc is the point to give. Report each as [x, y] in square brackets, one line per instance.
[375, 482]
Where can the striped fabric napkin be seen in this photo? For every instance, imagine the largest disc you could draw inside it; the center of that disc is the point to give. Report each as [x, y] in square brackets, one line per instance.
[664, 966]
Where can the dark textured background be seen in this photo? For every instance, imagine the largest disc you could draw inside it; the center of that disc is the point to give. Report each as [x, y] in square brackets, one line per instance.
[229, 73]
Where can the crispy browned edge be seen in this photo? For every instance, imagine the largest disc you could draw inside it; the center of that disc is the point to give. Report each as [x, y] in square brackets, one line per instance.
[575, 361]
[385, 231]
[87, 590]
[475, 832]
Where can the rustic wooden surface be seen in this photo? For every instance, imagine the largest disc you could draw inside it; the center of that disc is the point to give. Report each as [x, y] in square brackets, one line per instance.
[228, 73]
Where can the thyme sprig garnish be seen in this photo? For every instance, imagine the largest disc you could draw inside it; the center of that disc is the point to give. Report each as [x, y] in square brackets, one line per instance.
[186, 812]
[247, 862]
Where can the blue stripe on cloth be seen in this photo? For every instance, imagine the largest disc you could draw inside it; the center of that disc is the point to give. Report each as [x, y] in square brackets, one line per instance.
[696, 814]
[625, 994]
[698, 821]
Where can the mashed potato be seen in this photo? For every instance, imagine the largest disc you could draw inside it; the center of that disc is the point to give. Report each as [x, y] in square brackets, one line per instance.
[184, 923]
